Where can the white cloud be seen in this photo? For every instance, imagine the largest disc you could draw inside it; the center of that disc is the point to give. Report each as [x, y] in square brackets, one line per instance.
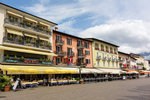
[68, 26]
[130, 35]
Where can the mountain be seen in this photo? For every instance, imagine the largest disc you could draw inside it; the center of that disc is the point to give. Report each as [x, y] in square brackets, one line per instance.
[146, 55]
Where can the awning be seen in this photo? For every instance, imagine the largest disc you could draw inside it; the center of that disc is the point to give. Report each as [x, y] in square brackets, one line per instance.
[15, 69]
[44, 24]
[112, 71]
[131, 71]
[15, 14]
[29, 19]
[14, 32]
[32, 36]
[26, 51]
[44, 39]
[145, 71]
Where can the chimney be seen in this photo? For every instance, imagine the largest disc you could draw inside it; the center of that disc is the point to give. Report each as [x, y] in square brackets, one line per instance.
[56, 28]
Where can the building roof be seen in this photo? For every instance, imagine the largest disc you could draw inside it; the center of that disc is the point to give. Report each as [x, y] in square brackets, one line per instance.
[123, 53]
[27, 13]
[102, 41]
[71, 35]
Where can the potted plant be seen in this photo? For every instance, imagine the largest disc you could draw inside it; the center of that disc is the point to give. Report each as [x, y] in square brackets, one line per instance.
[28, 41]
[34, 42]
[21, 40]
[42, 44]
[22, 58]
[41, 28]
[15, 57]
[7, 56]
[35, 26]
[22, 22]
[5, 83]
[11, 37]
[41, 60]
[11, 19]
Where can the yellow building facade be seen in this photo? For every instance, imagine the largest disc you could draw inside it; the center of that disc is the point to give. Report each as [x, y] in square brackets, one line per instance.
[105, 55]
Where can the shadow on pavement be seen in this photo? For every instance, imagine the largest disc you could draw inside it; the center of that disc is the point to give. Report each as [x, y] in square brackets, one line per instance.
[2, 96]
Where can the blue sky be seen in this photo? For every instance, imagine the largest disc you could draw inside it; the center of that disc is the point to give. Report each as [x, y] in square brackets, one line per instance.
[122, 22]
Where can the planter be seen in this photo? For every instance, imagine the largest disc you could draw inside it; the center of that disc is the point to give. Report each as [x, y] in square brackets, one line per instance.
[81, 81]
[6, 88]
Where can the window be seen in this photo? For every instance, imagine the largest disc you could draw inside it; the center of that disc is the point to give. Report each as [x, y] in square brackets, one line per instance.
[87, 61]
[69, 50]
[69, 41]
[102, 47]
[86, 44]
[96, 46]
[58, 38]
[87, 52]
[79, 42]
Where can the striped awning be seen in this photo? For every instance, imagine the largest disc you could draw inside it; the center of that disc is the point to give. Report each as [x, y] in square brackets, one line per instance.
[15, 69]
[14, 32]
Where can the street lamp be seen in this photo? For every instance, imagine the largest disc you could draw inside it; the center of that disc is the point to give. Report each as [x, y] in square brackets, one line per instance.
[80, 78]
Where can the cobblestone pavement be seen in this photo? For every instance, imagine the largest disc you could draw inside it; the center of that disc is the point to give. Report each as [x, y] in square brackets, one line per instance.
[116, 90]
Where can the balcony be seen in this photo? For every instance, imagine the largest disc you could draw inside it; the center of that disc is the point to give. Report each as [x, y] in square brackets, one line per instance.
[81, 55]
[128, 62]
[80, 46]
[27, 27]
[102, 50]
[117, 60]
[26, 60]
[113, 59]
[121, 60]
[109, 58]
[70, 54]
[60, 53]
[23, 42]
[96, 48]
[98, 58]
[104, 58]
[59, 42]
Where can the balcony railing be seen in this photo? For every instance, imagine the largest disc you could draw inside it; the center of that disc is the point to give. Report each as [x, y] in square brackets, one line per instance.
[128, 62]
[81, 46]
[109, 58]
[59, 42]
[29, 44]
[81, 55]
[104, 58]
[98, 58]
[96, 48]
[60, 53]
[113, 59]
[22, 60]
[35, 28]
[70, 54]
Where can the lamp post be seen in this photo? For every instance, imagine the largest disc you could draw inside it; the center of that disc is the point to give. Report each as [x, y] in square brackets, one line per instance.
[80, 78]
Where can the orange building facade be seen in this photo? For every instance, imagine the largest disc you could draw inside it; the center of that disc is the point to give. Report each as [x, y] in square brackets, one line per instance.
[71, 50]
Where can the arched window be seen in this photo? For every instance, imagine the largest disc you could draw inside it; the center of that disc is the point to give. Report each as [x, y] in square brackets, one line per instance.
[102, 47]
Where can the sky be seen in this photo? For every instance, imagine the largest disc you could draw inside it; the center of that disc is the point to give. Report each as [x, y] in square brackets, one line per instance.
[122, 22]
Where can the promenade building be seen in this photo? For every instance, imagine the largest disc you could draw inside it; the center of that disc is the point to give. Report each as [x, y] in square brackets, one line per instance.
[139, 61]
[126, 61]
[71, 50]
[105, 55]
[26, 43]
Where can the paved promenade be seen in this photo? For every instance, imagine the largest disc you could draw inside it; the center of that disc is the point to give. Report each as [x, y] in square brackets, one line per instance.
[115, 90]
